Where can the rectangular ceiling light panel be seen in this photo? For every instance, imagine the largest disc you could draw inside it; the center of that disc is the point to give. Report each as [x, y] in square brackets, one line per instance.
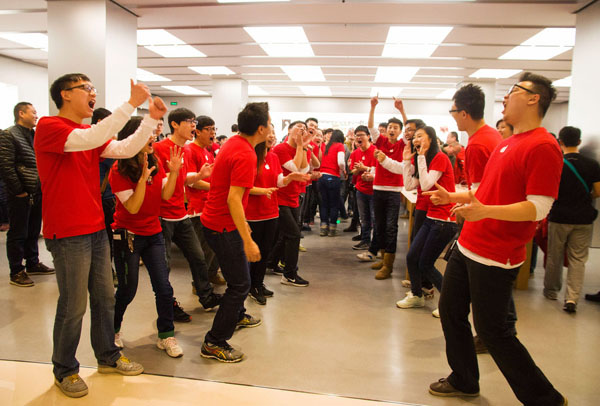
[281, 41]
[256, 91]
[395, 74]
[544, 45]
[564, 82]
[413, 41]
[157, 37]
[187, 90]
[32, 39]
[212, 70]
[534, 53]
[553, 37]
[304, 73]
[146, 76]
[495, 73]
[176, 51]
[250, 1]
[386, 92]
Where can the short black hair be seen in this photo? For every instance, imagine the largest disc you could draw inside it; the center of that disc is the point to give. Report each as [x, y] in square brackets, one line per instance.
[221, 137]
[570, 136]
[543, 87]
[100, 114]
[417, 122]
[204, 121]
[507, 124]
[62, 83]
[253, 116]
[311, 119]
[234, 128]
[328, 130]
[454, 134]
[179, 115]
[19, 107]
[383, 125]
[394, 120]
[471, 99]
[362, 128]
[293, 123]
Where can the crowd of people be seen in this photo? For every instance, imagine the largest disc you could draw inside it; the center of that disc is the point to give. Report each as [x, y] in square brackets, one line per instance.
[118, 194]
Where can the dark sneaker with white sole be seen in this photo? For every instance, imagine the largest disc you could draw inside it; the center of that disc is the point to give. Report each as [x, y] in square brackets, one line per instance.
[258, 296]
[295, 281]
[178, 314]
[267, 292]
[21, 279]
[223, 353]
[213, 301]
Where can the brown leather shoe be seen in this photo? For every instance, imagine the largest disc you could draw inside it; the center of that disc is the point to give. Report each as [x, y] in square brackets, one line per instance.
[40, 269]
[444, 389]
[21, 279]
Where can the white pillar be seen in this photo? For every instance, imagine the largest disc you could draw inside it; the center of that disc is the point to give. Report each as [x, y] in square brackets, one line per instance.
[489, 89]
[96, 38]
[229, 97]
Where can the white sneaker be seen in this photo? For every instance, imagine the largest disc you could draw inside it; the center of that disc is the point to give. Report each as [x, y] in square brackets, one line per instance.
[365, 257]
[171, 346]
[379, 256]
[436, 313]
[428, 293]
[411, 301]
[119, 340]
[406, 284]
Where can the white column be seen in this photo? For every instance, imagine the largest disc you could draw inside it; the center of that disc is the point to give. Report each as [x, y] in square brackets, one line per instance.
[229, 97]
[489, 89]
[96, 38]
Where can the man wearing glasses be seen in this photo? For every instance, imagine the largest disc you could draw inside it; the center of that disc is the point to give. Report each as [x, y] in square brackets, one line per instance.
[518, 187]
[174, 219]
[68, 155]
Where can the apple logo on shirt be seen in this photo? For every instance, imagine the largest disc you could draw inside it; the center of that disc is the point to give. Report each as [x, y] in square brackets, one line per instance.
[503, 149]
[267, 167]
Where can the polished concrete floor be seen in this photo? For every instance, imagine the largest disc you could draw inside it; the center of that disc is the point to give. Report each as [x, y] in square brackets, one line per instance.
[342, 335]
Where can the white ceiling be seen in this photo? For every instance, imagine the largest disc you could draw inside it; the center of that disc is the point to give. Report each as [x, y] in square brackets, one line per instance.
[347, 39]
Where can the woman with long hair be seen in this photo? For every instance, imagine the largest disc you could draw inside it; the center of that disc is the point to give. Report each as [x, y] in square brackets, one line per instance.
[333, 168]
[430, 166]
[139, 184]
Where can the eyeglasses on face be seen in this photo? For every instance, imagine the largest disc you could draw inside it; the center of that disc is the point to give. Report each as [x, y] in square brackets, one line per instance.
[87, 88]
[191, 121]
[211, 129]
[515, 86]
[454, 111]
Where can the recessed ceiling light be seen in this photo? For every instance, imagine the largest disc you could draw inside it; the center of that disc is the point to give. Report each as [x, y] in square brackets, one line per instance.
[212, 70]
[495, 73]
[304, 73]
[187, 90]
[316, 90]
[31, 39]
[553, 37]
[176, 51]
[413, 41]
[542, 53]
[145, 76]
[157, 37]
[256, 91]
[385, 92]
[564, 82]
[281, 41]
[446, 94]
[395, 74]
[250, 1]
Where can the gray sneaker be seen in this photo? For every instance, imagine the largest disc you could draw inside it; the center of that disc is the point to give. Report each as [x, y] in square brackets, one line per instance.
[223, 353]
[72, 386]
[123, 366]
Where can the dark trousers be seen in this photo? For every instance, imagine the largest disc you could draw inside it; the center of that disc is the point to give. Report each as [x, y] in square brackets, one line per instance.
[288, 242]
[264, 234]
[127, 265]
[3, 204]
[229, 248]
[489, 290]
[343, 195]
[182, 234]
[387, 205]
[305, 205]
[329, 186]
[25, 219]
[108, 207]
[366, 209]
[209, 256]
[315, 201]
[418, 219]
[428, 244]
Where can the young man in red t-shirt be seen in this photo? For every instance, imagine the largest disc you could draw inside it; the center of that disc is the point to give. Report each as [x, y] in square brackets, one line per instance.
[228, 232]
[68, 155]
[174, 219]
[519, 185]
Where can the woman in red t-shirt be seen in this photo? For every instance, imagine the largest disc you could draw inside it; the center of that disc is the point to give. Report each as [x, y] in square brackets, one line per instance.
[262, 212]
[139, 184]
[333, 169]
[430, 166]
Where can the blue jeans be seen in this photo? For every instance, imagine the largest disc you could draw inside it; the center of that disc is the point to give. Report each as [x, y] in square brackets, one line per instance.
[183, 235]
[488, 290]
[366, 209]
[229, 248]
[425, 248]
[82, 263]
[329, 186]
[387, 206]
[127, 265]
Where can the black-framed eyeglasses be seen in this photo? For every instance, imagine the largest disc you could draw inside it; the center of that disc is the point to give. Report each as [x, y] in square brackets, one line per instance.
[454, 111]
[87, 88]
[512, 89]
[211, 129]
[191, 121]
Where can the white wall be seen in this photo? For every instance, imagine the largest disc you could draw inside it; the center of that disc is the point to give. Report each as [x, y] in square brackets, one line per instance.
[31, 82]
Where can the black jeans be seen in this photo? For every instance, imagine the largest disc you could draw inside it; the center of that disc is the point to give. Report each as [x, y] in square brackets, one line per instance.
[264, 234]
[426, 247]
[127, 265]
[229, 248]
[387, 206]
[209, 256]
[305, 205]
[25, 219]
[489, 290]
[182, 234]
[288, 241]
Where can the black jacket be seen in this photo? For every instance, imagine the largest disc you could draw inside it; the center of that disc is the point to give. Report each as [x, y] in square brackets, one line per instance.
[18, 167]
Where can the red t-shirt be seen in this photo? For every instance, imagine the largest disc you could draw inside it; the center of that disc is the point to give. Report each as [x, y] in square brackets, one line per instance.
[367, 158]
[288, 195]
[329, 163]
[441, 163]
[174, 208]
[195, 157]
[235, 165]
[145, 221]
[70, 181]
[479, 148]
[383, 177]
[261, 207]
[529, 163]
